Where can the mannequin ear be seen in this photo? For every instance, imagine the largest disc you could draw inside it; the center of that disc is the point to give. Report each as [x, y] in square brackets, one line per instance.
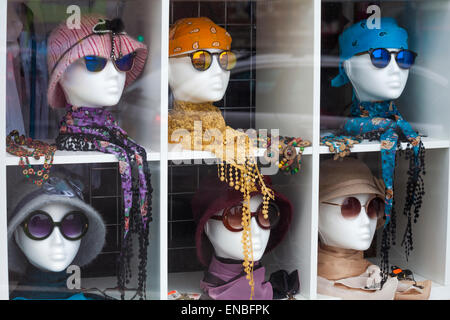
[322, 238]
[169, 70]
[17, 239]
[206, 228]
[347, 67]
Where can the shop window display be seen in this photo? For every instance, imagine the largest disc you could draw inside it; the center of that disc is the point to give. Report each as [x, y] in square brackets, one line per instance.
[341, 94]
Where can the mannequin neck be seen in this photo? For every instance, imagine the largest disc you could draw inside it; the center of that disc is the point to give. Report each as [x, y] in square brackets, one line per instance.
[39, 284]
[339, 252]
[83, 109]
[369, 100]
[226, 268]
[73, 101]
[188, 104]
[335, 263]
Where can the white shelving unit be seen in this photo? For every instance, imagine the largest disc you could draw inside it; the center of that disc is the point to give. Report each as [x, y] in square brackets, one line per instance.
[293, 106]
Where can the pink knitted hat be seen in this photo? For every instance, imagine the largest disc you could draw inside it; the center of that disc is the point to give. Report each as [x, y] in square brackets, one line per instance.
[65, 46]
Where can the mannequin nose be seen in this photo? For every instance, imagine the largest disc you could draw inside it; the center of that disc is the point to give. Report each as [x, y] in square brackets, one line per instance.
[56, 237]
[215, 67]
[254, 226]
[364, 218]
[111, 70]
[393, 66]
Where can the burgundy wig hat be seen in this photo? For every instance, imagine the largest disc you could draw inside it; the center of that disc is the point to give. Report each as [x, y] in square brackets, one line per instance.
[93, 38]
[214, 196]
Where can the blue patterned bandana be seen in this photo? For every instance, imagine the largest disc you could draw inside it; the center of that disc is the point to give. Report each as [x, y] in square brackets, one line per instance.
[359, 38]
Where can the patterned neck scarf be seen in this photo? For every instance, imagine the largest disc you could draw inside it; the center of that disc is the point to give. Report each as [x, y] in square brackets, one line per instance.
[382, 121]
[383, 117]
[94, 129]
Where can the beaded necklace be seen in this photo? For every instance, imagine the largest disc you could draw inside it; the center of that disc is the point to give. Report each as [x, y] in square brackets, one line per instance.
[237, 164]
[289, 160]
[15, 146]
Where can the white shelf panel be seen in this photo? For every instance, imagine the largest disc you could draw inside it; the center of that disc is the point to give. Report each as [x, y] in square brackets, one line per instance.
[177, 153]
[438, 292]
[374, 146]
[189, 282]
[72, 157]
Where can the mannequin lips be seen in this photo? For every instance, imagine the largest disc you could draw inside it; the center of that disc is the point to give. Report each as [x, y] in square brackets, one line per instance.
[58, 256]
[217, 85]
[394, 84]
[365, 235]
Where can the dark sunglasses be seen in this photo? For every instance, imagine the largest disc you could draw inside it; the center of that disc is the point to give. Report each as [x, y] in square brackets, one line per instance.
[381, 57]
[39, 225]
[232, 217]
[351, 207]
[202, 59]
[97, 64]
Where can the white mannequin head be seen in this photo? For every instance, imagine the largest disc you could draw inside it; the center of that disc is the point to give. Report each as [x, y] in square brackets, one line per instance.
[227, 244]
[54, 253]
[84, 88]
[15, 27]
[189, 84]
[373, 84]
[337, 231]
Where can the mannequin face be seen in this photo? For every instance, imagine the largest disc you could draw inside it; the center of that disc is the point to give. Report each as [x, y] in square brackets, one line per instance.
[336, 231]
[84, 88]
[227, 244]
[15, 25]
[374, 84]
[54, 253]
[189, 84]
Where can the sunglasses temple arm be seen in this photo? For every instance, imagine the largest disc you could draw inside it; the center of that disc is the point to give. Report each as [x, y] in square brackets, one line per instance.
[330, 203]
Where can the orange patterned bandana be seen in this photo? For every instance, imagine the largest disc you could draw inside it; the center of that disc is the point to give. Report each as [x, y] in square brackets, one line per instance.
[190, 34]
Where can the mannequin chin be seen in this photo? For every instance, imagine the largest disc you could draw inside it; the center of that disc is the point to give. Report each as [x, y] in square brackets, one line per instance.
[227, 244]
[336, 231]
[84, 88]
[54, 253]
[191, 85]
[374, 84]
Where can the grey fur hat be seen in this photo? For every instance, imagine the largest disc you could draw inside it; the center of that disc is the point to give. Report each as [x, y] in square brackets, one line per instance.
[24, 197]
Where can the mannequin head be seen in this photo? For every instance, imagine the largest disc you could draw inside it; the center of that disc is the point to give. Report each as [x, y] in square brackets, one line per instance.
[92, 89]
[71, 82]
[56, 197]
[212, 236]
[15, 27]
[369, 82]
[54, 253]
[374, 84]
[335, 230]
[189, 84]
[338, 181]
[227, 244]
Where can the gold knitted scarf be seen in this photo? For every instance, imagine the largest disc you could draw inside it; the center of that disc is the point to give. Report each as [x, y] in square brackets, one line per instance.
[201, 126]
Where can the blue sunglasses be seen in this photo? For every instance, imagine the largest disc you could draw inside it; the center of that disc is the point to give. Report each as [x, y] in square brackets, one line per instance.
[381, 57]
[97, 64]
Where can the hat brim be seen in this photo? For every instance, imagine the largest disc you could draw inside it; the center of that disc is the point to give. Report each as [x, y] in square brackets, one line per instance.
[91, 244]
[357, 188]
[55, 94]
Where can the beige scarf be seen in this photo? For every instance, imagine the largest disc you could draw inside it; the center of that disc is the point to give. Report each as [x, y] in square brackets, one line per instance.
[336, 263]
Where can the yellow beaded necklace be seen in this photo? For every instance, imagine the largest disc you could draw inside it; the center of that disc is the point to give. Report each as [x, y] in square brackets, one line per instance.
[237, 165]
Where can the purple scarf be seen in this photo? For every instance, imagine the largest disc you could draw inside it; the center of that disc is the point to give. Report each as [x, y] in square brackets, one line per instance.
[226, 281]
[94, 129]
